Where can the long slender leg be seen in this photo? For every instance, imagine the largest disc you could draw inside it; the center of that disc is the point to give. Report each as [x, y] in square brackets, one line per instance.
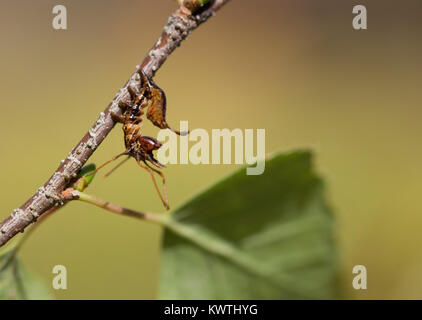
[151, 171]
[106, 163]
[162, 177]
[116, 167]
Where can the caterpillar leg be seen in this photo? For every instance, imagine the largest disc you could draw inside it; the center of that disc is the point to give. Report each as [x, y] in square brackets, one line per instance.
[151, 171]
[117, 118]
[137, 91]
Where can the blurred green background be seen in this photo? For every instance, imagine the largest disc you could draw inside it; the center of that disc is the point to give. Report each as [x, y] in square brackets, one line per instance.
[297, 69]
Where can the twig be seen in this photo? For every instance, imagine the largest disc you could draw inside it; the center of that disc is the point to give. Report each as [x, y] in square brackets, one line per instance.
[179, 26]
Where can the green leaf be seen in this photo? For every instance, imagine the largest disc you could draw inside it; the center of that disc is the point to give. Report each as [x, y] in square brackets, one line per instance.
[253, 237]
[17, 283]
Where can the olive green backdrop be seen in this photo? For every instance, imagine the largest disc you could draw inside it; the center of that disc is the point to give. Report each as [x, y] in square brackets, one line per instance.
[297, 69]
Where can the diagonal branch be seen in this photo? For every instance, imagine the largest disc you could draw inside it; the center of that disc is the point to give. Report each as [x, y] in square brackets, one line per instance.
[180, 25]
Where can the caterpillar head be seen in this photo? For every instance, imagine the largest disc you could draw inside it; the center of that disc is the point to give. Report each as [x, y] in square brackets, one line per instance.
[145, 151]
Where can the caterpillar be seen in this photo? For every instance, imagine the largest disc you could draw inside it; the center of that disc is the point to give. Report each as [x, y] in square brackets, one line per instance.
[144, 93]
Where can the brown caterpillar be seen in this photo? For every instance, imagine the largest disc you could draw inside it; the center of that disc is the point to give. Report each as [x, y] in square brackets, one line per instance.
[138, 146]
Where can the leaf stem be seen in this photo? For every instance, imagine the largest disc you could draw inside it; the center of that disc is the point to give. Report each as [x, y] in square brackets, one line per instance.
[114, 208]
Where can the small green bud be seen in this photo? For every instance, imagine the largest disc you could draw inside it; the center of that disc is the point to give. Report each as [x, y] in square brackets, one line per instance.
[85, 178]
[193, 5]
